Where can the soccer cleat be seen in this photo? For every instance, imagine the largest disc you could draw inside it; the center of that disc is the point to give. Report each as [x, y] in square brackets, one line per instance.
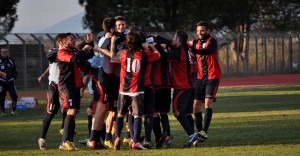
[66, 146]
[75, 148]
[160, 142]
[203, 135]
[3, 114]
[192, 138]
[138, 146]
[13, 113]
[199, 140]
[146, 144]
[94, 145]
[109, 144]
[117, 144]
[83, 141]
[42, 144]
[168, 141]
[126, 141]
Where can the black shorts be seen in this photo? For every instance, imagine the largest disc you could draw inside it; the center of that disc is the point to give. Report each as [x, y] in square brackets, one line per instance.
[114, 84]
[162, 99]
[206, 89]
[149, 100]
[99, 92]
[52, 98]
[137, 103]
[183, 100]
[70, 96]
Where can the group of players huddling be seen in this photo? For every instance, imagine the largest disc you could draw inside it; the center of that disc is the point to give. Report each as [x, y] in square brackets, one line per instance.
[133, 76]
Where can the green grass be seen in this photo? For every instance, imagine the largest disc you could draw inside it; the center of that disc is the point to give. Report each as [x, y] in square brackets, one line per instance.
[248, 121]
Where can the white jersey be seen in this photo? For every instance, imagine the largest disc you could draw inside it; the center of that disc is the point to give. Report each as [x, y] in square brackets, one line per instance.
[53, 73]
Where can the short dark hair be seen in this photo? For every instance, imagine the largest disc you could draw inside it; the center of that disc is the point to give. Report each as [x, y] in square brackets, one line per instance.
[108, 23]
[203, 23]
[120, 18]
[182, 36]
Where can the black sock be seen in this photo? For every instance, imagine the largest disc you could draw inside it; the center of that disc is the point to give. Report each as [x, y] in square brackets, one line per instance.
[72, 129]
[119, 126]
[137, 127]
[46, 123]
[2, 106]
[165, 124]
[14, 105]
[148, 125]
[67, 127]
[130, 126]
[108, 136]
[157, 128]
[207, 119]
[103, 132]
[64, 114]
[90, 119]
[198, 121]
[191, 121]
[185, 124]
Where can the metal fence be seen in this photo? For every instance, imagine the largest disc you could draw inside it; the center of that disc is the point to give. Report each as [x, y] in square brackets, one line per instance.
[239, 53]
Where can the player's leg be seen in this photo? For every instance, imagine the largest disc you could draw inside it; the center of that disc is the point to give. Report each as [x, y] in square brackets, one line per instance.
[182, 101]
[11, 88]
[211, 91]
[52, 107]
[2, 98]
[137, 112]
[149, 104]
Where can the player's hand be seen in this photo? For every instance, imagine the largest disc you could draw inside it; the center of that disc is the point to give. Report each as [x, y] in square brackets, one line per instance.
[108, 35]
[87, 47]
[114, 38]
[40, 79]
[3, 75]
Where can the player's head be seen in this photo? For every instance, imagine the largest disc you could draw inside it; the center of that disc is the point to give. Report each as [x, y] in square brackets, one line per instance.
[68, 41]
[120, 24]
[109, 24]
[202, 29]
[180, 37]
[58, 39]
[133, 40]
[4, 52]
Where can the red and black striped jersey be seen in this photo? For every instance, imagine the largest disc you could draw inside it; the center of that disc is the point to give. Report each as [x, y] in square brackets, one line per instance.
[69, 72]
[133, 68]
[206, 51]
[181, 76]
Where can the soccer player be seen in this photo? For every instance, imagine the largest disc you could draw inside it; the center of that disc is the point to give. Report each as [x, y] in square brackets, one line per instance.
[208, 76]
[70, 60]
[53, 101]
[181, 79]
[133, 64]
[8, 74]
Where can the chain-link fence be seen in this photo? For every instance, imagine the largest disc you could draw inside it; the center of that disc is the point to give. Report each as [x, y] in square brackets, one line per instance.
[239, 53]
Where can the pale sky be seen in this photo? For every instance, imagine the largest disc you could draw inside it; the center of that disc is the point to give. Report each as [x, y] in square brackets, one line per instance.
[37, 16]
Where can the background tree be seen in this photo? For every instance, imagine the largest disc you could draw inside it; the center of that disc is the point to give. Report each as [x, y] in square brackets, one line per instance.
[8, 15]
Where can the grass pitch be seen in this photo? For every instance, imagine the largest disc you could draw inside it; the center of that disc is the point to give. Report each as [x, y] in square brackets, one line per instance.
[248, 121]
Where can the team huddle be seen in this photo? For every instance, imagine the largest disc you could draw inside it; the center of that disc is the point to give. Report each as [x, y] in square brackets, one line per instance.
[133, 76]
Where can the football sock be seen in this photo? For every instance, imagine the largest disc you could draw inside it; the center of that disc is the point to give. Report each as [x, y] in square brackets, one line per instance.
[103, 131]
[64, 114]
[207, 119]
[191, 121]
[108, 136]
[137, 127]
[185, 124]
[148, 125]
[14, 105]
[72, 129]
[157, 128]
[46, 123]
[130, 126]
[90, 119]
[198, 121]
[67, 127]
[119, 126]
[165, 124]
